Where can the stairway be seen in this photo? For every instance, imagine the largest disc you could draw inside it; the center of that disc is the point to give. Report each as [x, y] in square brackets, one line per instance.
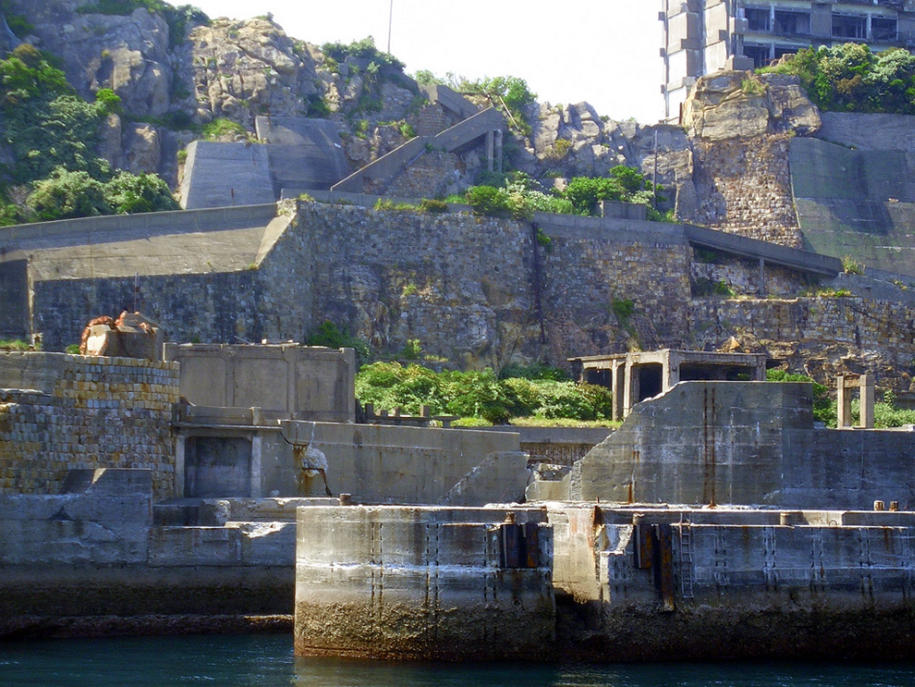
[379, 174]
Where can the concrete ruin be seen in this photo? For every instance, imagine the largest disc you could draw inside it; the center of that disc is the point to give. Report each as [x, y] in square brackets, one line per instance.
[633, 377]
[391, 538]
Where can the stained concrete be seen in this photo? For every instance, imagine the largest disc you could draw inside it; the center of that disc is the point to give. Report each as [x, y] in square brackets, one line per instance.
[640, 582]
[218, 175]
[743, 443]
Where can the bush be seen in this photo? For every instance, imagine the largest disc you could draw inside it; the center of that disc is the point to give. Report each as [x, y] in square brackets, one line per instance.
[824, 407]
[850, 78]
[128, 193]
[364, 49]
[488, 200]
[328, 334]
[108, 102]
[68, 194]
[479, 393]
[221, 127]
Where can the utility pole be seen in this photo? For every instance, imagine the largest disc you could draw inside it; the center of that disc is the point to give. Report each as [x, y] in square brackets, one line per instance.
[390, 18]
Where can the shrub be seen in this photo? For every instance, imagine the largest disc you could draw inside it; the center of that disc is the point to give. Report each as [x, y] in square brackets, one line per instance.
[221, 127]
[488, 200]
[128, 193]
[328, 334]
[364, 49]
[850, 78]
[824, 407]
[67, 194]
[433, 206]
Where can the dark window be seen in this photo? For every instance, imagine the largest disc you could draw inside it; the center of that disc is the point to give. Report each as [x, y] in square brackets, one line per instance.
[883, 29]
[849, 26]
[758, 53]
[757, 19]
[791, 23]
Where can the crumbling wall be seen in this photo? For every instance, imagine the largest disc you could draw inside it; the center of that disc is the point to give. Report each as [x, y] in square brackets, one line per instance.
[60, 412]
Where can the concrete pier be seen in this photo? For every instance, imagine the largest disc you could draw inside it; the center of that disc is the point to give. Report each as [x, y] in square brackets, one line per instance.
[603, 583]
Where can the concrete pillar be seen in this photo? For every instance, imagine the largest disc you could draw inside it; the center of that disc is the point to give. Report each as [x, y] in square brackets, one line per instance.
[499, 150]
[256, 462]
[843, 403]
[631, 387]
[866, 416]
[670, 372]
[761, 288]
[180, 441]
[617, 388]
[489, 150]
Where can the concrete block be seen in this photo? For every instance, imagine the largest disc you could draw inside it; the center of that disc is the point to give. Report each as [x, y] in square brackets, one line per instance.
[180, 546]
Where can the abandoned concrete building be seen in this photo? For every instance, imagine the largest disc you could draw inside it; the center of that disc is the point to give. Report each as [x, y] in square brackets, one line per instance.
[704, 36]
[635, 376]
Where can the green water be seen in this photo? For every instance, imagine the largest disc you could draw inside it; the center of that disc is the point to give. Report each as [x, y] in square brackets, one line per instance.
[267, 660]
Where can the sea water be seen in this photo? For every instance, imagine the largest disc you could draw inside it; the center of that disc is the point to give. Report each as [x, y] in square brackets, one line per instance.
[267, 661]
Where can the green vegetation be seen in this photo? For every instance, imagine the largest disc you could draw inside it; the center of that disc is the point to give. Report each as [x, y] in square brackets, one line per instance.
[316, 106]
[328, 334]
[851, 78]
[433, 205]
[221, 127]
[518, 196]
[824, 407]
[51, 134]
[362, 50]
[18, 24]
[752, 86]
[479, 393]
[15, 345]
[851, 266]
[508, 92]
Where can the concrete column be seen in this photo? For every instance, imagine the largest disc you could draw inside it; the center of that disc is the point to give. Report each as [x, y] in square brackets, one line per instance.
[256, 469]
[489, 150]
[499, 150]
[631, 387]
[670, 372]
[180, 441]
[761, 288]
[843, 403]
[866, 418]
[617, 386]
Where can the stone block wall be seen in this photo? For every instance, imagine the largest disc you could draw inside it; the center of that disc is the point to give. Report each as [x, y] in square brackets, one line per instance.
[60, 412]
[821, 336]
[745, 187]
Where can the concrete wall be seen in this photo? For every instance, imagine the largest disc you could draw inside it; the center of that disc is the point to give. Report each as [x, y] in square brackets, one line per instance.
[363, 587]
[636, 583]
[857, 202]
[14, 300]
[217, 175]
[59, 412]
[90, 561]
[312, 383]
[743, 443]
[387, 464]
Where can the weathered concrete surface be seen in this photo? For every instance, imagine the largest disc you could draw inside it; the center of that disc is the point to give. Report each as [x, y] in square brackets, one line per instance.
[857, 202]
[388, 464]
[305, 382]
[91, 561]
[218, 175]
[640, 583]
[432, 583]
[743, 443]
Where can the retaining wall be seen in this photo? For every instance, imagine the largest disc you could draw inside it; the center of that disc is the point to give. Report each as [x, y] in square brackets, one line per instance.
[59, 412]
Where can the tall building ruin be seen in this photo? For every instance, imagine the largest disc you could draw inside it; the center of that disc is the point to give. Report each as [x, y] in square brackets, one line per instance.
[703, 36]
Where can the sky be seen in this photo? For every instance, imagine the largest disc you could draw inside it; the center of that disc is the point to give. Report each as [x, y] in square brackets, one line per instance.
[603, 51]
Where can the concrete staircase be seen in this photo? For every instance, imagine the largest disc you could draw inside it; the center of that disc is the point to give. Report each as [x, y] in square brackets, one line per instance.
[377, 175]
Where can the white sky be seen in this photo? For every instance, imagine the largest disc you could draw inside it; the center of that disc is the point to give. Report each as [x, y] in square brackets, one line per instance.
[603, 51]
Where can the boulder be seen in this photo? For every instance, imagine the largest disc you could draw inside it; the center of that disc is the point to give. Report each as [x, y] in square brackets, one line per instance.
[733, 104]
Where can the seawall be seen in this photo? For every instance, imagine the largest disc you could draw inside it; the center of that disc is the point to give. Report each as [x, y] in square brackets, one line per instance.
[603, 583]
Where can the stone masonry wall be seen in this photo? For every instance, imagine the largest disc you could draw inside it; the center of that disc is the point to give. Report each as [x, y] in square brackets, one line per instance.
[60, 412]
[821, 336]
[745, 187]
